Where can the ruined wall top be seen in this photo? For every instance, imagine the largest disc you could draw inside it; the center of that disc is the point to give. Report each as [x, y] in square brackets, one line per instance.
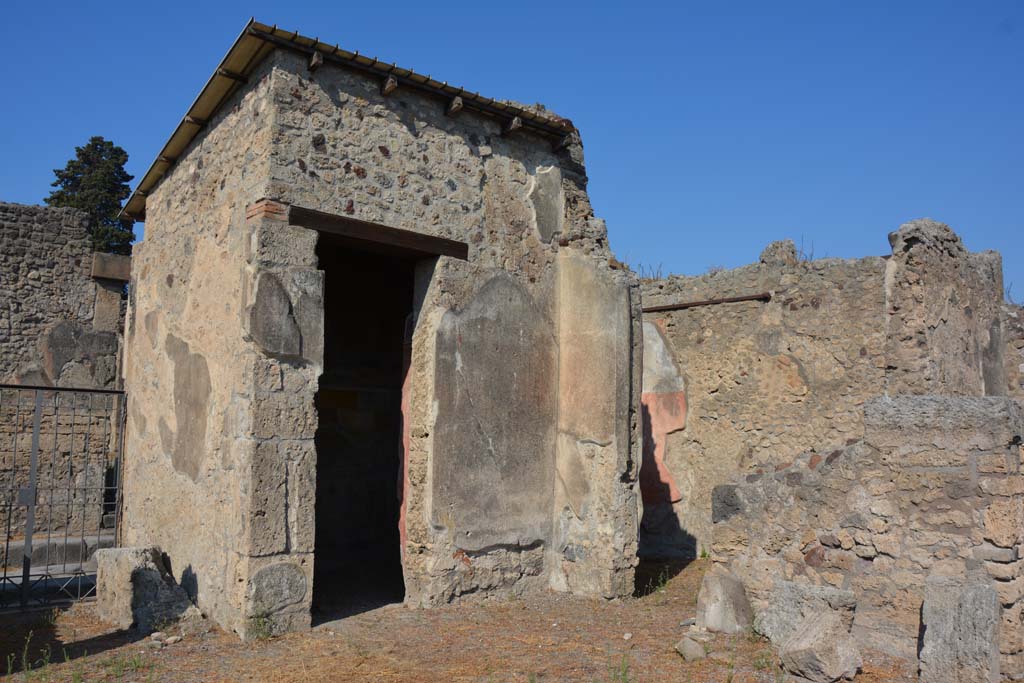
[57, 324]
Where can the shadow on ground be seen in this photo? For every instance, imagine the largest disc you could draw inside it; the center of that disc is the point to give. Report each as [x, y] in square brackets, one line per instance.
[30, 640]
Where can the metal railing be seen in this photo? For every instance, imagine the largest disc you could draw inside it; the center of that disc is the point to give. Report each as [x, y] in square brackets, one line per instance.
[60, 470]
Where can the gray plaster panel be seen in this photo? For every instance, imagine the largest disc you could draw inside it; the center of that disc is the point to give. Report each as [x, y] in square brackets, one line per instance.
[495, 432]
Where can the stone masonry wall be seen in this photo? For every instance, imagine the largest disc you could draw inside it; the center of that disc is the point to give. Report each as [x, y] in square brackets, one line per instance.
[933, 489]
[758, 381]
[1013, 331]
[475, 526]
[511, 485]
[58, 326]
[50, 332]
[189, 373]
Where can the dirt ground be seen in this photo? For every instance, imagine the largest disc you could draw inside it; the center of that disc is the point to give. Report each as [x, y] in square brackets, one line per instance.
[546, 638]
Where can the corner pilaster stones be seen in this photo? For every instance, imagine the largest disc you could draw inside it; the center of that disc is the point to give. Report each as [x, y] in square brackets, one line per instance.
[598, 446]
[283, 320]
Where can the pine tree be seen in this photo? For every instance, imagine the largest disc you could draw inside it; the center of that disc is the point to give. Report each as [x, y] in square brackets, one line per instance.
[95, 182]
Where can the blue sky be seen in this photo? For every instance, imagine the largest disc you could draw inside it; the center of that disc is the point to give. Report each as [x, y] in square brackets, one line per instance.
[710, 128]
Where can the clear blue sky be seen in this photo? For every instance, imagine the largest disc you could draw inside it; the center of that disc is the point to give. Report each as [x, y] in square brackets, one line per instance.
[710, 128]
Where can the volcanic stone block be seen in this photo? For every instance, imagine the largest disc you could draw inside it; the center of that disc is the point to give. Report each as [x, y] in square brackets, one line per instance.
[960, 643]
[134, 588]
[722, 604]
[821, 650]
[790, 603]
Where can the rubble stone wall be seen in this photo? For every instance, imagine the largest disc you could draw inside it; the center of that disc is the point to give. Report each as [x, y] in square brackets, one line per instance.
[1013, 331]
[52, 327]
[59, 326]
[765, 381]
[483, 384]
[189, 372]
[933, 489]
[226, 348]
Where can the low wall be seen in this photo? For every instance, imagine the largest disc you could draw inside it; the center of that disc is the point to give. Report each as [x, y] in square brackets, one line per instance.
[934, 488]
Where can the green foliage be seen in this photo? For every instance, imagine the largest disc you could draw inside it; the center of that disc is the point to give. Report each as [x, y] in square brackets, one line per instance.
[95, 182]
[261, 627]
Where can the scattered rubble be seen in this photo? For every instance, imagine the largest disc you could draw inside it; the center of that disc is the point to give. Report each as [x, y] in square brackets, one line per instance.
[790, 603]
[821, 650]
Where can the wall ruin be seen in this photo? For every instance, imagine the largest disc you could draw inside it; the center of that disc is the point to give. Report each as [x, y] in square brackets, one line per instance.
[59, 324]
[764, 382]
[933, 489]
[61, 315]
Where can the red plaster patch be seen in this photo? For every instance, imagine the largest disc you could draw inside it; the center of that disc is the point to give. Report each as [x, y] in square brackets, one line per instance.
[663, 414]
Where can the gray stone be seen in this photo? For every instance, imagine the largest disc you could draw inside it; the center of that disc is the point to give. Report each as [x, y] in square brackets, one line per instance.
[782, 252]
[790, 603]
[134, 589]
[690, 650]
[271, 319]
[276, 587]
[725, 502]
[960, 642]
[821, 650]
[990, 553]
[548, 201]
[722, 604]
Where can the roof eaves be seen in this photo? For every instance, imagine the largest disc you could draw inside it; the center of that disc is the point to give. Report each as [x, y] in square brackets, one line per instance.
[257, 40]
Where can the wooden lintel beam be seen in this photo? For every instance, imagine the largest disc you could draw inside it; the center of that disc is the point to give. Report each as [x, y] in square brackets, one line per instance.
[454, 107]
[763, 296]
[389, 86]
[166, 160]
[238, 78]
[512, 126]
[195, 121]
[408, 241]
[316, 60]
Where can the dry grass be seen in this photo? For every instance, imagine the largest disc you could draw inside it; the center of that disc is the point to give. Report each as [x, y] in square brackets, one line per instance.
[545, 638]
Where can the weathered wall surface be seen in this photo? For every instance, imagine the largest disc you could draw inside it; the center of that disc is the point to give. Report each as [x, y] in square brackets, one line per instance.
[228, 320]
[484, 387]
[767, 381]
[1013, 354]
[58, 326]
[934, 488]
[189, 372]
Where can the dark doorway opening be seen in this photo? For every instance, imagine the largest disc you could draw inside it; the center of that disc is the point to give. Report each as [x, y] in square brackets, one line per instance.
[368, 299]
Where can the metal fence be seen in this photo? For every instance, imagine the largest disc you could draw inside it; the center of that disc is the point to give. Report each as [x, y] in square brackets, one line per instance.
[60, 460]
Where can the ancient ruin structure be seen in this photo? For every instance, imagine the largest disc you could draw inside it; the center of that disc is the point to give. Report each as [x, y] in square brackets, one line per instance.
[61, 316]
[377, 348]
[377, 342]
[850, 426]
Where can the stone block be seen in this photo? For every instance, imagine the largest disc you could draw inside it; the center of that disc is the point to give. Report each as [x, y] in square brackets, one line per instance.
[111, 266]
[722, 604]
[134, 589]
[790, 603]
[960, 640]
[690, 649]
[821, 650]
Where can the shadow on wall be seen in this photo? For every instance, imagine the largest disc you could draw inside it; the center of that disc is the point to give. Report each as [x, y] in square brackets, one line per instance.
[665, 547]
